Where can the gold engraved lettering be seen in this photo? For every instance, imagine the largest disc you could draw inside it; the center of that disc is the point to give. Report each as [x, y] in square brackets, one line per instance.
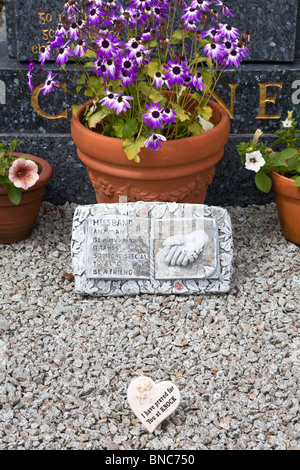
[37, 108]
[263, 100]
[230, 110]
[44, 17]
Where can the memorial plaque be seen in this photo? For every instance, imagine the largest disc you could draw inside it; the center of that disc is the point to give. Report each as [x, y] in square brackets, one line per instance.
[151, 247]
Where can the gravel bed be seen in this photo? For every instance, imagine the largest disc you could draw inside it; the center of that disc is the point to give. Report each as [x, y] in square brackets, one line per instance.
[66, 360]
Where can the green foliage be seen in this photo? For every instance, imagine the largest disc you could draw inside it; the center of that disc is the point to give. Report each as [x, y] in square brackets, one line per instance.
[286, 162]
[126, 129]
[132, 149]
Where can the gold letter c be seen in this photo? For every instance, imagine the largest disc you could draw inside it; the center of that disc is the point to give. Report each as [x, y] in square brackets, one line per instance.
[37, 108]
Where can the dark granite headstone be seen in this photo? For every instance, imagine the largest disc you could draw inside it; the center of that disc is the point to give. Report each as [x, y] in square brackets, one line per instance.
[272, 26]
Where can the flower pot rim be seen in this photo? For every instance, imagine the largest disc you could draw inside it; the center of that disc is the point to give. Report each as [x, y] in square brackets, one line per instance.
[224, 118]
[283, 185]
[275, 174]
[44, 177]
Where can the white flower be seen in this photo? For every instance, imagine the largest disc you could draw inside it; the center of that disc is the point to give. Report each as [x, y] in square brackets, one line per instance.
[207, 126]
[287, 123]
[254, 161]
[256, 136]
[289, 120]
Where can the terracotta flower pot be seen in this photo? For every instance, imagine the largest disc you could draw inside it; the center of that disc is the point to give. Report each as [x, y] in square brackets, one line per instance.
[287, 197]
[179, 171]
[17, 221]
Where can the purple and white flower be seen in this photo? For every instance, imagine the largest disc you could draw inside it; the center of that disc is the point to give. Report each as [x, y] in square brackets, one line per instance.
[81, 48]
[74, 31]
[57, 41]
[127, 78]
[225, 10]
[212, 33]
[191, 14]
[45, 53]
[109, 46]
[233, 58]
[198, 82]
[176, 72]
[155, 117]
[188, 81]
[49, 83]
[31, 67]
[169, 116]
[134, 45]
[228, 31]
[61, 30]
[121, 103]
[109, 99]
[64, 53]
[154, 142]
[158, 79]
[70, 7]
[158, 14]
[191, 25]
[94, 16]
[127, 63]
[214, 50]
[203, 5]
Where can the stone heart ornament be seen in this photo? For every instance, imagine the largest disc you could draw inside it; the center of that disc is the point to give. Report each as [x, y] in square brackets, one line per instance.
[152, 403]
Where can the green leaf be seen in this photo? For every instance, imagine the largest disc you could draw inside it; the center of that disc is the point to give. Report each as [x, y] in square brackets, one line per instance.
[95, 86]
[81, 80]
[207, 79]
[97, 117]
[89, 65]
[132, 148]
[205, 112]
[288, 153]
[153, 43]
[126, 129]
[14, 195]
[176, 37]
[297, 181]
[195, 128]
[153, 67]
[292, 163]
[263, 181]
[144, 88]
[108, 131]
[181, 114]
[90, 53]
[157, 97]
[75, 109]
[275, 159]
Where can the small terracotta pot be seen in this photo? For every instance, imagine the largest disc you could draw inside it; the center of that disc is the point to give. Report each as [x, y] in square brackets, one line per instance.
[17, 221]
[287, 197]
[180, 171]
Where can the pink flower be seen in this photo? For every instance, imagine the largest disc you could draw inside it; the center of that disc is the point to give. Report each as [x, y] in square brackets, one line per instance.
[23, 173]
